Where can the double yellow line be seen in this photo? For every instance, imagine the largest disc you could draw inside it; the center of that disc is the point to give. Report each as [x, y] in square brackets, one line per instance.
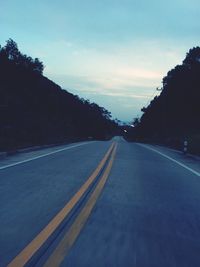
[69, 238]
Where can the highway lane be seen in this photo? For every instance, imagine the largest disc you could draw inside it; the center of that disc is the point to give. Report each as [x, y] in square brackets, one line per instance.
[148, 213]
[33, 192]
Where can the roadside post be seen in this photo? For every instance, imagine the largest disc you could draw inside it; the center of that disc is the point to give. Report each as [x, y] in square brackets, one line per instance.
[185, 146]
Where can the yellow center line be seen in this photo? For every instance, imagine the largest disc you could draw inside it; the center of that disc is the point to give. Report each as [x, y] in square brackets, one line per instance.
[25, 255]
[70, 237]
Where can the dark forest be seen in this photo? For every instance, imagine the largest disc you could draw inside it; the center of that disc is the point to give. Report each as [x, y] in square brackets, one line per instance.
[174, 115]
[34, 110]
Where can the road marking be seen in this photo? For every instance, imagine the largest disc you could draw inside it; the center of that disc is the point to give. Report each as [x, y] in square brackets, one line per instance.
[176, 161]
[44, 155]
[70, 237]
[25, 255]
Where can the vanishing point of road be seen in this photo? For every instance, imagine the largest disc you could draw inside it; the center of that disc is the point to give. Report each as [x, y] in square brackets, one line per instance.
[100, 203]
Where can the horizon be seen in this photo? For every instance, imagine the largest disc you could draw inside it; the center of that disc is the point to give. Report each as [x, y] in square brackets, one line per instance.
[113, 53]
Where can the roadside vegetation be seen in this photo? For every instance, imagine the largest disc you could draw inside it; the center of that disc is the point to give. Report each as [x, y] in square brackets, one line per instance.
[34, 110]
[174, 115]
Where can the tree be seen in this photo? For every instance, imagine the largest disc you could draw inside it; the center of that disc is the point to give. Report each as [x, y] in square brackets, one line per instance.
[35, 110]
[11, 50]
[12, 54]
[176, 111]
[192, 57]
[38, 66]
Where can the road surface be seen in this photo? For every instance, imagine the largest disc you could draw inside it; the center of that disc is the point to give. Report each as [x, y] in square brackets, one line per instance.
[108, 203]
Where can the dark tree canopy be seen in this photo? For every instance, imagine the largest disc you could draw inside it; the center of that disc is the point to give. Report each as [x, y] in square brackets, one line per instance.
[192, 57]
[175, 113]
[35, 110]
[12, 55]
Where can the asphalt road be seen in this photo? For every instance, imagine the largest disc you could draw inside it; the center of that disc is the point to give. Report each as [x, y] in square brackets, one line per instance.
[139, 207]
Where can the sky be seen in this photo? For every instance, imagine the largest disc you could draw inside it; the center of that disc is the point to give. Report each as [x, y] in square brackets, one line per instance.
[112, 52]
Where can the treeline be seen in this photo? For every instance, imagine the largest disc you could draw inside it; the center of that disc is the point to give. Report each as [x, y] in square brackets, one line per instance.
[174, 115]
[34, 110]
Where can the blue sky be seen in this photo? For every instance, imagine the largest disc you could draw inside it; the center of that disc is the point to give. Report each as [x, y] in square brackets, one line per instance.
[113, 52]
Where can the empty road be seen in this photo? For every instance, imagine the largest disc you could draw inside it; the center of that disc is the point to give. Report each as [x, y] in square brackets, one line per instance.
[100, 203]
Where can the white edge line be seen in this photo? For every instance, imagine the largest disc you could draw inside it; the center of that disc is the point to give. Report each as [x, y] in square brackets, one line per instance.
[177, 162]
[44, 155]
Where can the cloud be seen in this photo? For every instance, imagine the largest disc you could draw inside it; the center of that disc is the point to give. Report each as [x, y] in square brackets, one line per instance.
[114, 93]
[114, 52]
[128, 72]
[124, 102]
[120, 95]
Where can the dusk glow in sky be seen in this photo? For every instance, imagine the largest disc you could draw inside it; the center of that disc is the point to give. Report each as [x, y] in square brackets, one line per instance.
[112, 52]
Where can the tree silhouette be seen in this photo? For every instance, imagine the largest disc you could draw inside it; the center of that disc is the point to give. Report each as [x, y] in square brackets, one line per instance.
[11, 50]
[192, 57]
[35, 110]
[13, 56]
[175, 113]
